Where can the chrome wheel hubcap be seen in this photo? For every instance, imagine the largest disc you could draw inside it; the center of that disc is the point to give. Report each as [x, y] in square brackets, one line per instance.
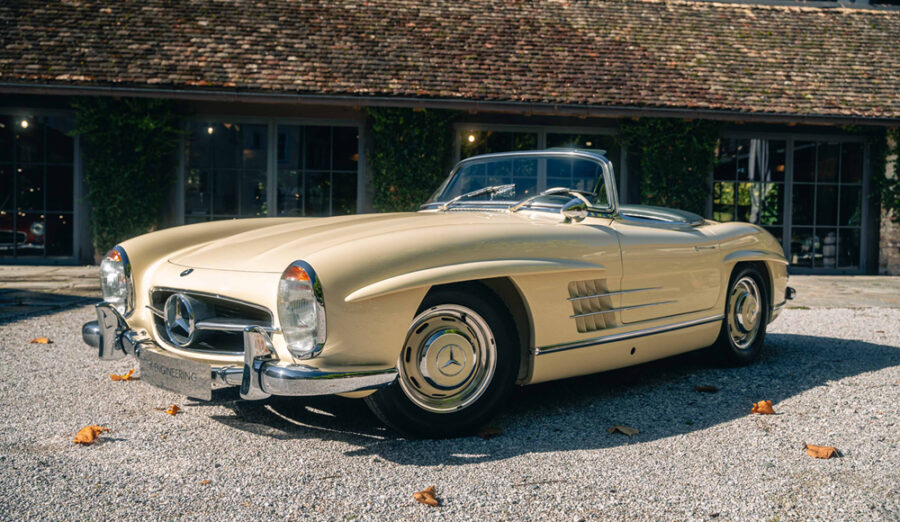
[448, 360]
[744, 317]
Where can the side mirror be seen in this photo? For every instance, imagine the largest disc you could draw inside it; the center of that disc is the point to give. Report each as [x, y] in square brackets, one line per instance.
[574, 211]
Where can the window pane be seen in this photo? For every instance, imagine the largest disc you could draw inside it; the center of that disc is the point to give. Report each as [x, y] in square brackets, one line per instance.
[726, 163]
[828, 259]
[777, 160]
[7, 199]
[802, 201]
[848, 248]
[225, 191]
[31, 234]
[59, 145]
[346, 148]
[59, 188]
[290, 147]
[253, 193]
[772, 206]
[804, 161]
[290, 193]
[804, 246]
[723, 201]
[851, 206]
[196, 194]
[476, 142]
[30, 184]
[7, 138]
[828, 156]
[747, 202]
[343, 194]
[318, 194]
[851, 162]
[29, 141]
[59, 234]
[318, 148]
[743, 159]
[826, 205]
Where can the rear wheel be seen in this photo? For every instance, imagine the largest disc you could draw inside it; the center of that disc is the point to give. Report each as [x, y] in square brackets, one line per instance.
[746, 314]
[457, 367]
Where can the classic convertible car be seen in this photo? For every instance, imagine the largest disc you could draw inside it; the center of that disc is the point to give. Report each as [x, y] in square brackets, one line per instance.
[521, 268]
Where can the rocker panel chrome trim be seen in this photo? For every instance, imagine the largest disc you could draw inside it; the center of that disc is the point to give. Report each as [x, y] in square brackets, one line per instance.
[627, 335]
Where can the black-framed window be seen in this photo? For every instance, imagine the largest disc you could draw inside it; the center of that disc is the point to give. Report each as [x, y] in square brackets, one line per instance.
[317, 170]
[36, 186]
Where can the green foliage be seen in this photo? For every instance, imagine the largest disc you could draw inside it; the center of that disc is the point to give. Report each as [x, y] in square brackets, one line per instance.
[888, 183]
[129, 164]
[409, 152]
[675, 158]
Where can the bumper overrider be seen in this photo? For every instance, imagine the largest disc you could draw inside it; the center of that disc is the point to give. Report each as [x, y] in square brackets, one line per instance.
[262, 374]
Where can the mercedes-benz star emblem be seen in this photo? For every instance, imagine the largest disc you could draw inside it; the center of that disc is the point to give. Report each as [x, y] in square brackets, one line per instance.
[179, 319]
[452, 366]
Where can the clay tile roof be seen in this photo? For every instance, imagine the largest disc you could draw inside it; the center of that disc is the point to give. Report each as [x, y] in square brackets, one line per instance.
[616, 53]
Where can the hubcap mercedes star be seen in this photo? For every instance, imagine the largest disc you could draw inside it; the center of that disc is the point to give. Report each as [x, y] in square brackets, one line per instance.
[744, 317]
[448, 360]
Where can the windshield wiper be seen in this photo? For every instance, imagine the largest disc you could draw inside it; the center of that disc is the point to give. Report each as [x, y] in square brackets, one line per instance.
[493, 189]
[555, 190]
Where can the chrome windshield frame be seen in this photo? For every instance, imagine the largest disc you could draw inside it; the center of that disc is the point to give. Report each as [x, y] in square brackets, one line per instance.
[609, 181]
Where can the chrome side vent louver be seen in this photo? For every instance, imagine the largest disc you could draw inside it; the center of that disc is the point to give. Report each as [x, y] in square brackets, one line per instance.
[590, 300]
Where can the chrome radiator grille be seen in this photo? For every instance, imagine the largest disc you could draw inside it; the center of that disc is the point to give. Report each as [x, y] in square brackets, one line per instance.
[220, 329]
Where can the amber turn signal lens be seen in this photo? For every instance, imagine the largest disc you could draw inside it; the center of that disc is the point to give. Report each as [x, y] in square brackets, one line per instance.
[114, 255]
[295, 273]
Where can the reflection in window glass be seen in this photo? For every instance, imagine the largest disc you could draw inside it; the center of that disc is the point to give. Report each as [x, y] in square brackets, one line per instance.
[36, 187]
[317, 170]
[474, 142]
[225, 175]
[758, 168]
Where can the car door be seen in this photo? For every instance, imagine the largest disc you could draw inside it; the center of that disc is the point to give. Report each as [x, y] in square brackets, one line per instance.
[667, 269]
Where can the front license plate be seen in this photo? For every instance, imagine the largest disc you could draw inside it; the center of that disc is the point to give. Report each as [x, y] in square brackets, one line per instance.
[182, 376]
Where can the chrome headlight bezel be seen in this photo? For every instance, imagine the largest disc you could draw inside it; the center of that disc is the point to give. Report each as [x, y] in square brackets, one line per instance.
[301, 310]
[116, 281]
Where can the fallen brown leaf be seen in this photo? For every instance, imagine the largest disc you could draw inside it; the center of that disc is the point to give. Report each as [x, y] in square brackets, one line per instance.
[706, 389]
[171, 410]
[88, 434]
[427, 496]
[822, 452]
[763, 408]
[41, 340]
[625, 430]
[489, 432]
[124, 377]
[204, 482]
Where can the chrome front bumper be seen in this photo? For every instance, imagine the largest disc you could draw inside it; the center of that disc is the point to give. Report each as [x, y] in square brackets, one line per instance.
[262, 373]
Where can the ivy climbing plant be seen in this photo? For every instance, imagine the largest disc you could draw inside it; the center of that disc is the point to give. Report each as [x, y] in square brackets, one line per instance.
[888, 182]
[409, 151]
[129, 164]
[674, 159]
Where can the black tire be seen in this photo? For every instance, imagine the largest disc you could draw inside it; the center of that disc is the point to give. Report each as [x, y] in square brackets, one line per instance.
[407, 407]
[738, 345]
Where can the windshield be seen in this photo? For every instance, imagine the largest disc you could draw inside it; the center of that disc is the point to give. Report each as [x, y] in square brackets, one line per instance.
[525, 176]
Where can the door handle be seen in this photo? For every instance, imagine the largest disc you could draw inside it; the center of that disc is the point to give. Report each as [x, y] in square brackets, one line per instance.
[698, 248]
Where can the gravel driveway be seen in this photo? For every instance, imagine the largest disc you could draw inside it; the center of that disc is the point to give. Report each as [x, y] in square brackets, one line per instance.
[832, 374]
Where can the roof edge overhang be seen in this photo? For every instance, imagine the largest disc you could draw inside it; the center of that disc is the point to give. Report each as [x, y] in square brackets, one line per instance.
[528, 108]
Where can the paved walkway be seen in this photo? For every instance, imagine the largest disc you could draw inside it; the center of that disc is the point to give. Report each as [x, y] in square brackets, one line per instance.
[42, 289]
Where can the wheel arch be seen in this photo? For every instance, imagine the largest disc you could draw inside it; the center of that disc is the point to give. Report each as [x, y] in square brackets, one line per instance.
[764, 270]
[504, 291]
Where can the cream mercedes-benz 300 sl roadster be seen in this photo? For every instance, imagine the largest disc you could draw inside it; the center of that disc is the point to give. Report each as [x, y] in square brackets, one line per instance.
[522, 268]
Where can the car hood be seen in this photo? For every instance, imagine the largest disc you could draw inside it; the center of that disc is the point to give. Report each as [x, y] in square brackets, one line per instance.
[270, 248]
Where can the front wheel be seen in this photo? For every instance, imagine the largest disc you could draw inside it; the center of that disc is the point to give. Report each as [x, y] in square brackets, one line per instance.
[456, 369]
[743, 331]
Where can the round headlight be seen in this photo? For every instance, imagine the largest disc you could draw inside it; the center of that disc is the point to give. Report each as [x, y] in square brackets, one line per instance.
[115, 281]
[301, 310]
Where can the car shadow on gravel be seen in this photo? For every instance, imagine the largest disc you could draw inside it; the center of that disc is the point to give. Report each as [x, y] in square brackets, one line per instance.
[657, 398]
